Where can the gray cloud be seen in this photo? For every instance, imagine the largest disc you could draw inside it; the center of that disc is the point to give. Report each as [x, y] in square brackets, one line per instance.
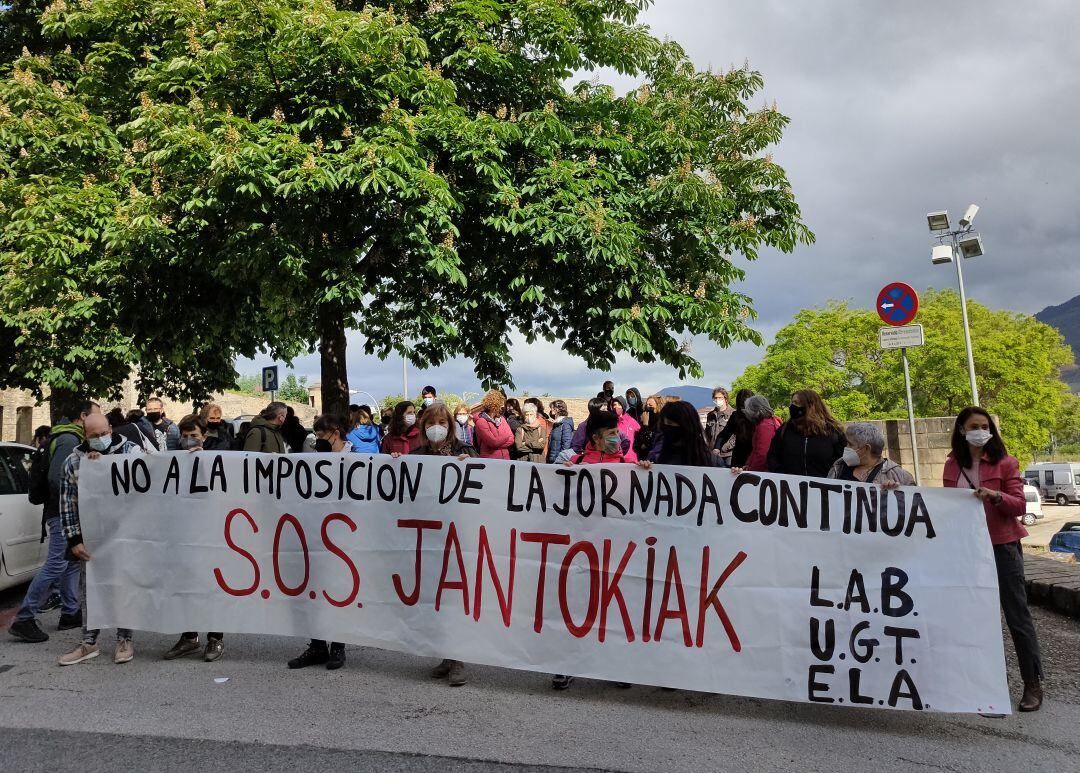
[896, 109]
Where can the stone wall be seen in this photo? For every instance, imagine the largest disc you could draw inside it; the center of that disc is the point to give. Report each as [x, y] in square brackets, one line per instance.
[234, 405]
[20, 415]
[932, 436]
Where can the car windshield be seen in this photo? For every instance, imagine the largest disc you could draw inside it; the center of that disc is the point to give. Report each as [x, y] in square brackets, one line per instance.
[1031, 496]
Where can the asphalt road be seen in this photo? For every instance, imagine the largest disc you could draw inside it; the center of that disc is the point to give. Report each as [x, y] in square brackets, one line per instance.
[381, 712]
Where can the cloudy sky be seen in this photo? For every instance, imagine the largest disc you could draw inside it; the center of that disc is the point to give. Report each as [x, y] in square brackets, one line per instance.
[897, 109]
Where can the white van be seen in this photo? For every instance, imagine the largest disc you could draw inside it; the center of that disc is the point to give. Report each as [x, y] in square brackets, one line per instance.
[1032, 506]
[1057, 481]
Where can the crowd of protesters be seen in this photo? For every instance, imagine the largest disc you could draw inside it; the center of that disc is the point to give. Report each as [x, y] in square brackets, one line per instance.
[658, 430]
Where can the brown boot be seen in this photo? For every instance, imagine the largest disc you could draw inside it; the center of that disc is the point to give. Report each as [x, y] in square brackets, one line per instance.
[1033, 697]
[457, 673]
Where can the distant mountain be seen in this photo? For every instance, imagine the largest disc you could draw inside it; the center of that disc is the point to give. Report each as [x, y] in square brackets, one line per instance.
[699, 397]
[1066, 318]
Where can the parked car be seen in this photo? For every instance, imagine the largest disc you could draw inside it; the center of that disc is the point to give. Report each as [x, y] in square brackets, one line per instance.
[1058, 481]
[1067, 540]
[1033, 506]
[239, 422]
[21, 551]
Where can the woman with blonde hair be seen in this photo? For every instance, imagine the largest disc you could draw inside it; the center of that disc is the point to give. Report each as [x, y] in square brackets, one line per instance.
[493, 434]
[648, 441]
[216, 426]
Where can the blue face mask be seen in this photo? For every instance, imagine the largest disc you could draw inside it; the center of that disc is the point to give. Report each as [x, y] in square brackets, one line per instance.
[612, 444]
[100, 444]
[632, 400]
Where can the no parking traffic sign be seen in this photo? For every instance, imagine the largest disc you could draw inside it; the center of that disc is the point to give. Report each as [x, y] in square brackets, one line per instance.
[897, 304]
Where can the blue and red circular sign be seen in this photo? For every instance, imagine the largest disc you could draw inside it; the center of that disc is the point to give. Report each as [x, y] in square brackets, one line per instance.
[897, 304]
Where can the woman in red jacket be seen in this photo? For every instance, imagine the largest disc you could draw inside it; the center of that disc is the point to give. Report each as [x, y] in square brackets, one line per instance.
[980, 462]
[403, 436]
[759, 414]
[493, 434]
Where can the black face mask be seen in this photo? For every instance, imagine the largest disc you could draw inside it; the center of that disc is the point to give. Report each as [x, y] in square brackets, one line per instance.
[153, 418]
[213, 424]
[796, 411]
[323, 446]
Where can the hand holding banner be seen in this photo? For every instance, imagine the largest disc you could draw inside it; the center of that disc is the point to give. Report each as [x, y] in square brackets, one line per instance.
[760, 585]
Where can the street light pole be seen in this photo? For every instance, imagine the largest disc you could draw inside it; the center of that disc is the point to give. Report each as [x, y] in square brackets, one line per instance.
[405, 377]
[963, 310]
[962, 244]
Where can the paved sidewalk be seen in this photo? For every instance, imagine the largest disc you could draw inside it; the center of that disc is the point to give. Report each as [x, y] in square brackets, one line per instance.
[1053, 584]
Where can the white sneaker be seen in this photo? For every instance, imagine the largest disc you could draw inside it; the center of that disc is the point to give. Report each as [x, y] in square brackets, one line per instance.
[125, 651]
[81, 653]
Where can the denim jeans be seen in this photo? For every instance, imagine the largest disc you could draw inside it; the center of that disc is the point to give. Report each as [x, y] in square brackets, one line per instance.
[89, 636]
[56, 569]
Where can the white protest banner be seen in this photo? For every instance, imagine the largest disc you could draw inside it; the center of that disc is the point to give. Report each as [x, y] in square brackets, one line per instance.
[759, 585]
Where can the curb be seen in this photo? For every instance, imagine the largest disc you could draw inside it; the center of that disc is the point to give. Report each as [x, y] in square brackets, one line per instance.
[1053, 584]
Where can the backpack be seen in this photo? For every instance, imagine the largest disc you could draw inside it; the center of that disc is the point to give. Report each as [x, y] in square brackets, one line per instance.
[242, 436]
[38, 490]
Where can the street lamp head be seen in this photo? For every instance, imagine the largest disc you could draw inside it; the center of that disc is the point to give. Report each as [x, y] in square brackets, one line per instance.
[971, 246]
[941, 254]
[969, 216]
[938, 221]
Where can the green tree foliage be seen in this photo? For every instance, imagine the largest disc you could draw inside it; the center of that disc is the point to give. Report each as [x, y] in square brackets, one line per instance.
[186, 181]
[450, 399]
[250, 384]
[293, 389]
[835, 351]
[1065, 440]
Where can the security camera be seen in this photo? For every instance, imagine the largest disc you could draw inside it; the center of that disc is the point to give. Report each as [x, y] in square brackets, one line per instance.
[971, 246]
[969, 216]
[941, 254]
[938, 221]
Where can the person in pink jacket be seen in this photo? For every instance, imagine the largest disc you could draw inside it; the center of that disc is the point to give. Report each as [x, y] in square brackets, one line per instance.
[979, 462]
[759, 413]
[493, 434]
[628, 426]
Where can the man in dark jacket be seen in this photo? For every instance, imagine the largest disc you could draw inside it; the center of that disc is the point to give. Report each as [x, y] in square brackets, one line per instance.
[166, 430]
[264, 434]
[63, 439]
[715, 422]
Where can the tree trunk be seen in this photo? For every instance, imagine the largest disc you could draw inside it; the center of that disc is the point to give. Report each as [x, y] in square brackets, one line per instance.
[335, 376]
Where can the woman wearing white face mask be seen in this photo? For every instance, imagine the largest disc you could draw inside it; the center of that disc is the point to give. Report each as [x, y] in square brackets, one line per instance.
[980, 463]
[438, 438]
[862, 460]
[402, 437]
[464, 429]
